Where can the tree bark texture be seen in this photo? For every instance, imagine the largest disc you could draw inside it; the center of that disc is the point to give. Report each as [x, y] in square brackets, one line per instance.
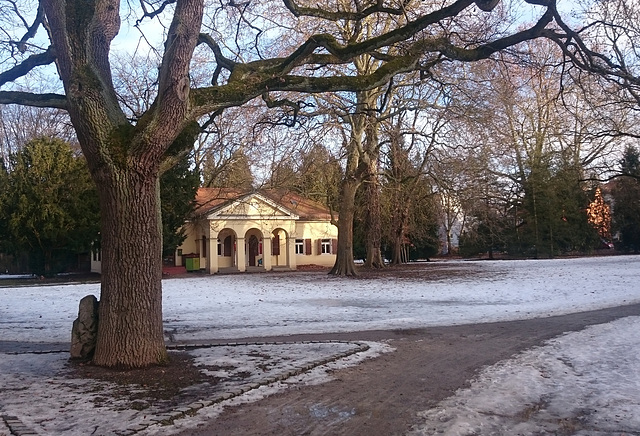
[373, 238]
[355, 171]
[399, 226]
[372, 218]
[344, 265]
[399, 200]
[130, 332]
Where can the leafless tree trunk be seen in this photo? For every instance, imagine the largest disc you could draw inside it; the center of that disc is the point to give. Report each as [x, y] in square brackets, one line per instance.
[354, 174]
[344, 265]
[131, 261]
[373, 222]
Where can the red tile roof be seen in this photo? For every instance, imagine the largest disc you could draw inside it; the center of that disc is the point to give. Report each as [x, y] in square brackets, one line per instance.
[209, 199]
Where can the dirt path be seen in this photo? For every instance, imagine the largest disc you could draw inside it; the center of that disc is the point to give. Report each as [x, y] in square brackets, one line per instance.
[383, 395]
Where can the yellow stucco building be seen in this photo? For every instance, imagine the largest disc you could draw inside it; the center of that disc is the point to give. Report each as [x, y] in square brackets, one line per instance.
[265, 230]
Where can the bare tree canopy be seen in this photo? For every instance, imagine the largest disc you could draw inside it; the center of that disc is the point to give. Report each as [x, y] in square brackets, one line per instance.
[426, 34]
[244, 50]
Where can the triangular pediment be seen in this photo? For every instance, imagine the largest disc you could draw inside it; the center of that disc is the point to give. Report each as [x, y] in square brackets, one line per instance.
[254, 206]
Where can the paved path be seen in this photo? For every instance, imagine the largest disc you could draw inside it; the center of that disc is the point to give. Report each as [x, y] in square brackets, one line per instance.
[383, 396]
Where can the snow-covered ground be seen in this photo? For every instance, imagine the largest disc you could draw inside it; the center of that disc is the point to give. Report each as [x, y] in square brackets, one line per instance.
[587, 381]
[582, 383]
[246, 305]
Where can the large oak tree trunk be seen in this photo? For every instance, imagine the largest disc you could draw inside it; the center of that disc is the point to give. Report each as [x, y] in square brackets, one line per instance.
[130, 332]
[124, 159]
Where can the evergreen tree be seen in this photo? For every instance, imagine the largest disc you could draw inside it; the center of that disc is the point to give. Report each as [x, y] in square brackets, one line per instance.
[423, 224]
[313, 173]
[319, 176]
[626, 196]
[178, 188]
[571, 228]
[488, 230]
[49, 205]
[551, 216]
[408, 206]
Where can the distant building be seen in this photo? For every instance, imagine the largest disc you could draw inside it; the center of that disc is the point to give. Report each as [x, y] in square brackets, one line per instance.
[263, 230]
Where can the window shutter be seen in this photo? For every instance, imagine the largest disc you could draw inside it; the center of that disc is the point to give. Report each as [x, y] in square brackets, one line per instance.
[334, 246]
[275, 245]
[204, 246]
[319, 246]
[307, 247]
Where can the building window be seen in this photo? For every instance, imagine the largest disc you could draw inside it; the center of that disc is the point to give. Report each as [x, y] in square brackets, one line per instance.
[325, 246]
[299, 246]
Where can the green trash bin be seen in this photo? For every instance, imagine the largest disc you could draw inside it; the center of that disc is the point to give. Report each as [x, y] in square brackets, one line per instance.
[192, 263]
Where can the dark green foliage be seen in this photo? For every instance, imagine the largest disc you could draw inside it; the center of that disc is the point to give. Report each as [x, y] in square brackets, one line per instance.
[630, 162]
[487, 235]
[178, 188]
[49, 206]
[548, 218]
[319, 176]
[626, 197]
[313, 173]
[409, 216]
[552, 218]
[423, 231]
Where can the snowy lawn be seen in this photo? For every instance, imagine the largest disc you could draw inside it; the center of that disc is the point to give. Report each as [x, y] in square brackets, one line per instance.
[585, 383]
[250, 305]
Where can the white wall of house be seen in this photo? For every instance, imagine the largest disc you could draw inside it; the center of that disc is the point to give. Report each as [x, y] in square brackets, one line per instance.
[315, 243]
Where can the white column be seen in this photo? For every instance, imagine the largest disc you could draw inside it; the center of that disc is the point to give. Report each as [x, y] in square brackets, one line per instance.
[212, 262]
[241, 254]
[266, 253]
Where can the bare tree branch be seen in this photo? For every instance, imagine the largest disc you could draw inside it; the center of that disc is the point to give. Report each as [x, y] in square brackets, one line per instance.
[339, 15]
[32, 29]
[27, 65]
[36, 100]
[221, 60]
[153, 13]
